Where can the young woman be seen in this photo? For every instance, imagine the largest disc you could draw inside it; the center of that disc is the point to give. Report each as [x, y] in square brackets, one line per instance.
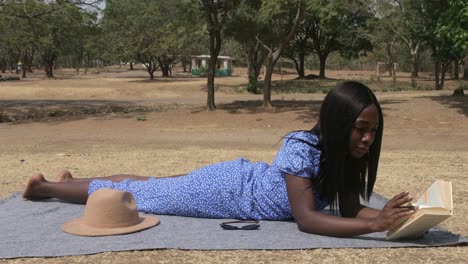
[332, 164]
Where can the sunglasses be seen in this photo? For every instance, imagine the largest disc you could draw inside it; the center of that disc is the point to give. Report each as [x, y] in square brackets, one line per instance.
[237, 225]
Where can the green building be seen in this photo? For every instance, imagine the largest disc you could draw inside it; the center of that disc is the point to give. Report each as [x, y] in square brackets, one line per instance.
[200, 65]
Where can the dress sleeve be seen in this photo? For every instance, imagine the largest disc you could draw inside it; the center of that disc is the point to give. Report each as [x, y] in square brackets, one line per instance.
[299, 155]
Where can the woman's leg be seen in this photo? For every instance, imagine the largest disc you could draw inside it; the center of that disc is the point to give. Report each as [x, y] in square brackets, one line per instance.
[39, 188]
[65, 176]
[68, 188]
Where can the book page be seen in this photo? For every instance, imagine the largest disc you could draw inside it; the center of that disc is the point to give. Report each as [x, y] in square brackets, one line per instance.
[438, 195]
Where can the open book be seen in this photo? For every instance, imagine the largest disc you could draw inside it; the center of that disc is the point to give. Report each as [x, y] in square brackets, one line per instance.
[435, 206]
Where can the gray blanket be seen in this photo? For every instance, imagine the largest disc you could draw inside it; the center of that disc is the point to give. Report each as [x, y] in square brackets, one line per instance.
[32, 229]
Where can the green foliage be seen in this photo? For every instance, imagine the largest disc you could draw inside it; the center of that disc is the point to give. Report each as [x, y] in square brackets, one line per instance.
[300, 86]
[278, 17]
[45, 30]
[332, 26]
[156, 33]
[141, 118]
[201, 71]
[451, 30]
[252, 85]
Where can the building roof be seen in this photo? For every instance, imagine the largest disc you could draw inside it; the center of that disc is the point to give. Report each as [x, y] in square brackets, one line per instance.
[208, 56]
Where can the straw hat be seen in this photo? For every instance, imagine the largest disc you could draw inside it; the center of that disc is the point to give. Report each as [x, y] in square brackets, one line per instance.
[109, 212]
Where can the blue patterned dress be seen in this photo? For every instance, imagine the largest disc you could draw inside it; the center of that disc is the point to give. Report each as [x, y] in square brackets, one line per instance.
[237, 189]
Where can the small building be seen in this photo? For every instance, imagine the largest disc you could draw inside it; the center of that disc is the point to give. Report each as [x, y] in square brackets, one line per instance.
[200, 65]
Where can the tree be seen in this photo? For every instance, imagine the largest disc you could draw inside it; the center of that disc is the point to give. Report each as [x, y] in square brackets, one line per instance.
[19, 37]
[300, 47]
[216, 13]
[86, 50]
[150, 32]
[59, 29]
[465, 68]
[133, 31]
[246, 27]
[405, 19]
[43, 28]
[452, 30]
[384, 41]
[7, 41]
[446, 34]
[183, 36]
[338, 26]
[278, 14]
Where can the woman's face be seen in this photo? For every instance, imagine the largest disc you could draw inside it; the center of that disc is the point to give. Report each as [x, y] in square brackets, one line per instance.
[363, 131]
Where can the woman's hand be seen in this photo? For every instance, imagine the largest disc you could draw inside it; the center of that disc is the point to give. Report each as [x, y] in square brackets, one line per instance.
[392, 212]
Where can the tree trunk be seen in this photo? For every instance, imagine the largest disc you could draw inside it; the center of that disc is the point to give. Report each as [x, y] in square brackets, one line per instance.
[270, 65]
[27, 56]
[150, 67]
[131, 66]
[456, 70]
[465, 69]
[414, 50]
[301, 71]
[249, 54]
[255, 59]
[440, 70]
[445, 65]
[3, 65]
[215, 47]
[414, 64]
[165, 70]
[49, 68]
[273, 56]
[388, 48]
[296, 65]
[323, 60]
[210, 102]
[151, 70]
[436, 74]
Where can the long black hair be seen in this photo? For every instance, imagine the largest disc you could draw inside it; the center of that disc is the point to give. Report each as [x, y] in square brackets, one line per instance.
[339, 172]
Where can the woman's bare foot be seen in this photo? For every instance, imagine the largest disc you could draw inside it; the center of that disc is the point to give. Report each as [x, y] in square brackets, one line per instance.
[64, 176]
[32, 190]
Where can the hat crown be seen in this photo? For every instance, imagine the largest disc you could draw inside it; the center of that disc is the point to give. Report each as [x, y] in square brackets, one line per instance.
[109, 208]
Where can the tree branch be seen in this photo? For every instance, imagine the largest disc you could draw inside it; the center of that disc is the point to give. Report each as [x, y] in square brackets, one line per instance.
[264, 45]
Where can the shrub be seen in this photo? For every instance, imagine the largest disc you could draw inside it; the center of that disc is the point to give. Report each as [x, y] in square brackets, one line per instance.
[252, 86]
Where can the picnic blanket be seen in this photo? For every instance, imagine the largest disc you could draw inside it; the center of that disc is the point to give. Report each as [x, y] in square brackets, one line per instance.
[33, 229]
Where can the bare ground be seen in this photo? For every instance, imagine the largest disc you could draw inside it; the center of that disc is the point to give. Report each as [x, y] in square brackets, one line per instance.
[87, 123]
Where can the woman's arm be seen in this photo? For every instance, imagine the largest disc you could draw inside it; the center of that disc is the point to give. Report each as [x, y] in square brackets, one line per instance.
[350, 206]
[300, 194]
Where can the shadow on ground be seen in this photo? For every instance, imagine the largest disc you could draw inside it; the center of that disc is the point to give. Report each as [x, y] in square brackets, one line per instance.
[47, 110]
[459, 103]
[58, 110]
[306, 110]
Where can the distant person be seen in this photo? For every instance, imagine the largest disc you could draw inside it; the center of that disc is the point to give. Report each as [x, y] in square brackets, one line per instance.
[332, 164]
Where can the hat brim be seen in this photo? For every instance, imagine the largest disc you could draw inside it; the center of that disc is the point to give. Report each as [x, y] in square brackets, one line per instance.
[80, 228]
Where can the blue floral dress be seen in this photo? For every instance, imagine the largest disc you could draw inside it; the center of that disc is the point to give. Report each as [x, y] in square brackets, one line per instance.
[237, 189]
